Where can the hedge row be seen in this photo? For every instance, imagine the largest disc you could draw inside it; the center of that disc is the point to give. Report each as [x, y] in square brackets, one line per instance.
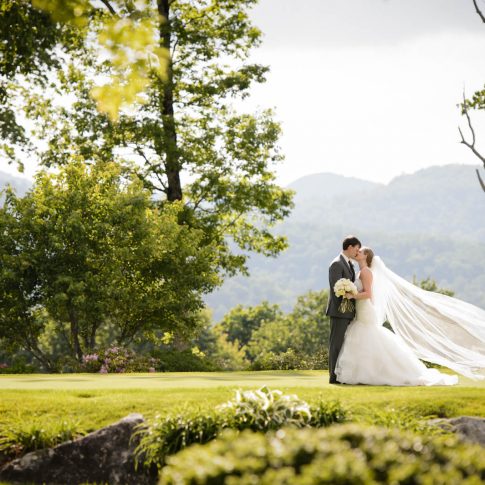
[345, 454]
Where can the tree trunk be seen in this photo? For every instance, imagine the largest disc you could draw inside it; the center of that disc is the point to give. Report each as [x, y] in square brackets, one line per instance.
[75, 335]
[172, 166]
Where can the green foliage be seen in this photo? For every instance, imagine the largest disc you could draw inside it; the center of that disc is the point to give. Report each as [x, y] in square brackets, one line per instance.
[291, 360]
[430, 284]
[118, 359]
[327, 412]
[264, 409]
[260, 410]
[18, 365]
[297, 339]
[346, 454]
[28, 49]
[240, 323]
[227, 355]
[402, 420]
[32, 435]
[171, 360]
[166, 436]
[182, 123]
[86, 248]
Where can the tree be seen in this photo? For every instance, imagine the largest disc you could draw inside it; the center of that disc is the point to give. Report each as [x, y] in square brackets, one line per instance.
[86, 249]
[305, 330]
[241, 322]
[430, 285]
[183, 124]
[28, 49]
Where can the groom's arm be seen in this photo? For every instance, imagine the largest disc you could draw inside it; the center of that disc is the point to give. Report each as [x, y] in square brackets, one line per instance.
[334, 274]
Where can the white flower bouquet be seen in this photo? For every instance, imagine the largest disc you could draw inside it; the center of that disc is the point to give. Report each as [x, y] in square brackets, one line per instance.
[342, 287]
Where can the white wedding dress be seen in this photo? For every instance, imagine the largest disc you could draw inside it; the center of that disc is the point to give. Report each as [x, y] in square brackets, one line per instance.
[372, 354]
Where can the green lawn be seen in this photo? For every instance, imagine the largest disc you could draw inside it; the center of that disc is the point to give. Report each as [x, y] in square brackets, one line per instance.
[90, 401]
[38, 411]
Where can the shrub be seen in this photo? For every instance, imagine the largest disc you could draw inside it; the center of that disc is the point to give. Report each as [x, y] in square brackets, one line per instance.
[326, 413]
[19, 365]
[166, 436]
[182, 361]
[291, 360]
[260, 410]
[346, 454]
[117, 359]
[264, 409]
[288, 360]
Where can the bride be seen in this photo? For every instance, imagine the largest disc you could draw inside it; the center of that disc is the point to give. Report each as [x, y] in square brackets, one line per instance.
[426, 325]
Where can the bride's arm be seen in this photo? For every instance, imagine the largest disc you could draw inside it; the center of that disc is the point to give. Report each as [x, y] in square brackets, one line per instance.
[366, 278]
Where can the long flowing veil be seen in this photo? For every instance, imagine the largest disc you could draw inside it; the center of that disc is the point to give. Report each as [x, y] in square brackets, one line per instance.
[438, 328]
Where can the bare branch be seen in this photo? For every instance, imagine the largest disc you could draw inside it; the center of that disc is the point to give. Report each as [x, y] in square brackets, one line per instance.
[153, 167]
[109, 6]
[471, 145]
[479, 12]
[482, 183]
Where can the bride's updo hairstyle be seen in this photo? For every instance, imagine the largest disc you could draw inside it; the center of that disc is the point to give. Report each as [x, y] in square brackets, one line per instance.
[369, 255]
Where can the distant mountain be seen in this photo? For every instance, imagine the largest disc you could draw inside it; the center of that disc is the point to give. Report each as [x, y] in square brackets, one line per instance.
[20, 184]
[427, 224]
[321, 187]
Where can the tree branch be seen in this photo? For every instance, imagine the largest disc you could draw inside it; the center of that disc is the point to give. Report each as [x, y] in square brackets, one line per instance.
[109, 6]
[482, 183]
[471, 145]
[479, 12]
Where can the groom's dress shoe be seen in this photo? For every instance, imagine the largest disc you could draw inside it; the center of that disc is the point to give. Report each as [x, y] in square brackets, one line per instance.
[334, 381]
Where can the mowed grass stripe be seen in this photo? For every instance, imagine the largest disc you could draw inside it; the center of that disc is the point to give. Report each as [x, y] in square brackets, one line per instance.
[92, 401]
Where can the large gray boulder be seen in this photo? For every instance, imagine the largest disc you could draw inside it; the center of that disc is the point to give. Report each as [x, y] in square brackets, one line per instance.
[104, 456]
[468, 428]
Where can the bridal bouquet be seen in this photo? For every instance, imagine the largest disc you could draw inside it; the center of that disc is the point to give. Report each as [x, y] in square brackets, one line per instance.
[342, 287]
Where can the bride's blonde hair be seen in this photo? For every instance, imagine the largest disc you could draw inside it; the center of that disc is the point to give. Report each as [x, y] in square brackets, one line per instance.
[369, 255]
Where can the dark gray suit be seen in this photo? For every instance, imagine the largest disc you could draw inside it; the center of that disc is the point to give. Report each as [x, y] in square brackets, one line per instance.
[338, 321]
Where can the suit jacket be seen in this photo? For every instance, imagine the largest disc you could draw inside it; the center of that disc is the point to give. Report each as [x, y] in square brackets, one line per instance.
[338, 269]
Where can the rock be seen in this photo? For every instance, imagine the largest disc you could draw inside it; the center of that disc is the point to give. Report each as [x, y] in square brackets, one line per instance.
[468, 428]
[104, 456]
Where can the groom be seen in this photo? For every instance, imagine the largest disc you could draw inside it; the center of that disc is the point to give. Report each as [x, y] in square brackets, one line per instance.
[341, 267]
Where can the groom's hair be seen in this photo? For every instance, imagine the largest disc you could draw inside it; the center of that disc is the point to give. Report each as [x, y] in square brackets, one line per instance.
[350, 241]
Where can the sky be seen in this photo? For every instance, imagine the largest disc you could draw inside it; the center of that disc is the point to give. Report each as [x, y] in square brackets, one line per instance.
[367, 88]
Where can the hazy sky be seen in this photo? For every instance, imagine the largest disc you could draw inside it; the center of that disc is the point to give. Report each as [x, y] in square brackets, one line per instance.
[368, 88]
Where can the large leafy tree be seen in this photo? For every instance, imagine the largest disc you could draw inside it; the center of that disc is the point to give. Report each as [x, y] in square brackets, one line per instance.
[241, 322]
[183, 126]
[305, 330]
[86, 249]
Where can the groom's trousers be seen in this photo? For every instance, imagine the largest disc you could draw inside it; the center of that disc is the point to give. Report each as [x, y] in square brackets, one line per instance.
[338, 327]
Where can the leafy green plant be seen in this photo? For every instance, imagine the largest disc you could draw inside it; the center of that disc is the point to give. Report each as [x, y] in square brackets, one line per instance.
[326, 413]
[348, 454]
[168, 435]
[261, 410]
[264, 409]
[30, 436]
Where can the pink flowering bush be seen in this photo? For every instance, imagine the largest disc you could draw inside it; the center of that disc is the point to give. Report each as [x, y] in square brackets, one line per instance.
[116, 359]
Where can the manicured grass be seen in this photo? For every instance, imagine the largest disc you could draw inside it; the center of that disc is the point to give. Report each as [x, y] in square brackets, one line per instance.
[89, 401]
